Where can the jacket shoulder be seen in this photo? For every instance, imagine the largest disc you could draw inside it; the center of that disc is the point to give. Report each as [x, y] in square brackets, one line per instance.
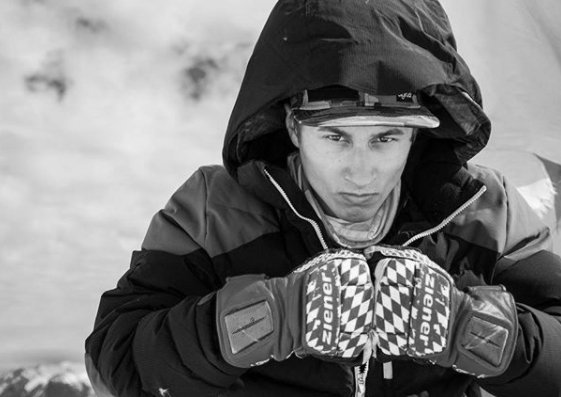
[500, 220]
[210, 211]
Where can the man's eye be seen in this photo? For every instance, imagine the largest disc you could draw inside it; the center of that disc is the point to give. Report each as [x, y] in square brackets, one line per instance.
[386, 139]
[334, 138]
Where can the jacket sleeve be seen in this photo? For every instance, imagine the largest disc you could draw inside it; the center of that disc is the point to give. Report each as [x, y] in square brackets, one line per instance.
[155, 333]
[532, 273]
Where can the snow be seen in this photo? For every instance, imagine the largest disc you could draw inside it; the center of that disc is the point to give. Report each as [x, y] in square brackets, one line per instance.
[63, 379]
[99, 123]
[107, 106]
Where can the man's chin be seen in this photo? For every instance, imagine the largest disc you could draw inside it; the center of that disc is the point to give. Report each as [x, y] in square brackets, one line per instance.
[357, 217]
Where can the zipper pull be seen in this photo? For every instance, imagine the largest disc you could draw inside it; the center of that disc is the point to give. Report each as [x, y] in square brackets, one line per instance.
[388, 377]
[360, 379]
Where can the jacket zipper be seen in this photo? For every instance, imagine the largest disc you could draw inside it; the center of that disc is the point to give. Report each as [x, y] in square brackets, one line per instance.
[448, 219]
[310, 221]
[360, 372]
[388, 366]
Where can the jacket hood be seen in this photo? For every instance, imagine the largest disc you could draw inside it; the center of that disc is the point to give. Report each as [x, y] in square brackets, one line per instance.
[382, 47]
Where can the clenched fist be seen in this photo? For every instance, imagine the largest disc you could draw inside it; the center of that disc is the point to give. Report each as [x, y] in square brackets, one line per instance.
[324, 308]
[419, 313]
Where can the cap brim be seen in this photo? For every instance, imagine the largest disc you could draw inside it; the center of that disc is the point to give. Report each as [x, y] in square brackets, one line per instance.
[418, 117]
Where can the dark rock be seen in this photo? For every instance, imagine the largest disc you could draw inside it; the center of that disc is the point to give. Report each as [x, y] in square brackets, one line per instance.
[90, 25]
[41, 82]
[50, 77]
[210, 69]
[66, 385]
[198, 76]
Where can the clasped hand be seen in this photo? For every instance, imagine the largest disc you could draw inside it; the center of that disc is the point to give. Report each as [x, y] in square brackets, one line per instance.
[391, 302]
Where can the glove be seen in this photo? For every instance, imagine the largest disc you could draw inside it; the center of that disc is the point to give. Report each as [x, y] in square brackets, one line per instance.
[324, 309]
[420, 314]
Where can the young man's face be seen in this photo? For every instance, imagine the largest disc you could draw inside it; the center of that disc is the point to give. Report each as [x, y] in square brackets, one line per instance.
[352, 169]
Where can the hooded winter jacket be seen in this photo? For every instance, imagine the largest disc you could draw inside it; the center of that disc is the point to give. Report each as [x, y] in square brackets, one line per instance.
[155, 333]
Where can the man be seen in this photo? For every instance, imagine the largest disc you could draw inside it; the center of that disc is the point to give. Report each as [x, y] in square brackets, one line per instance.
[347, 247]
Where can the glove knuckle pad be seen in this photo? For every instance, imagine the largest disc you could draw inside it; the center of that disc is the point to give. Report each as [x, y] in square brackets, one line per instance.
[431, 313]
[339, 305]
[412, 306]
[393, 304]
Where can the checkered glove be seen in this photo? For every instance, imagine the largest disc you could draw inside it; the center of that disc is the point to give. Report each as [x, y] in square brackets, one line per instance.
[420, 314]
[324, 309]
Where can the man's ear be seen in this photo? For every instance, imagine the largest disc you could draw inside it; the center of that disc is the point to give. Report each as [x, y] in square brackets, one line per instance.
[291, 126]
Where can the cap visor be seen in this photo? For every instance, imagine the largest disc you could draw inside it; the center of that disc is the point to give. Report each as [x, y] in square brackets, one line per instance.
[352, 116]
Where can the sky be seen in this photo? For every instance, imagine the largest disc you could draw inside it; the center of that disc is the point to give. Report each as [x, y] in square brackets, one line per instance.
[107, 106]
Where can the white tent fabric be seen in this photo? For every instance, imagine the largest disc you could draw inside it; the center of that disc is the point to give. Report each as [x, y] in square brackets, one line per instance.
[513, 48]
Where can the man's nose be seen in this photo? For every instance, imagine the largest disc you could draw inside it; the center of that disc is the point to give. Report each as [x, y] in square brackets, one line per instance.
[361, 168]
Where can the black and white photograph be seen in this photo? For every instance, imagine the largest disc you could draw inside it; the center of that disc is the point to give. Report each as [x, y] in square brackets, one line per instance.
[335, 198]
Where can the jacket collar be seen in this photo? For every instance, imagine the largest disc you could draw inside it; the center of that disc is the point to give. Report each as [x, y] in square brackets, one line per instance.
[436, 180]
[437, 189]
[254, 177]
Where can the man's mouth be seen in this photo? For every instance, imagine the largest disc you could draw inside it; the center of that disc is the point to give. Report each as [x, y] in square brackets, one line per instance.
[359, 198]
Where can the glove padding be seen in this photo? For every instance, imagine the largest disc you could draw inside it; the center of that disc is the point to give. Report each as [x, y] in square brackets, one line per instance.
[419, 313]
[324, 309]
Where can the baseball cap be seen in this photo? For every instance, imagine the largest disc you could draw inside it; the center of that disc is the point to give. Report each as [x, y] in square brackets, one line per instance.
[342, 106]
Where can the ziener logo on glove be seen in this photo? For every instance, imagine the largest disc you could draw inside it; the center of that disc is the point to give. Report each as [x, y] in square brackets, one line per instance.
[432, 299]
[322, 296]
[327, 286]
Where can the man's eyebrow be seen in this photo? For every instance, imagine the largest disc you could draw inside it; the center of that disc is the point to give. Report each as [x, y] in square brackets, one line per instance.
[334, 129]
[393, 131]
[337, 130]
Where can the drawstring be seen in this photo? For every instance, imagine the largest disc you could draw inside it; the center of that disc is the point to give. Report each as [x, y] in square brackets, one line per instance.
[387, 369]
